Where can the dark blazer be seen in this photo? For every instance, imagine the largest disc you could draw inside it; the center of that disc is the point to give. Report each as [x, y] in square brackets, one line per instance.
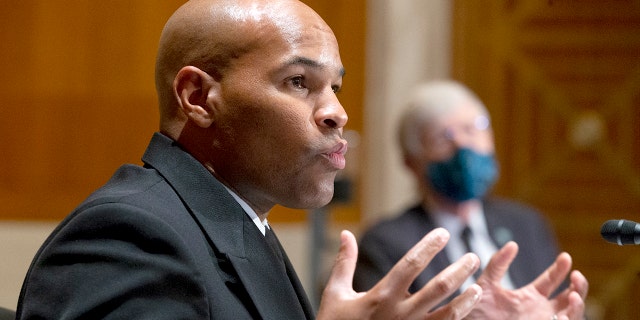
[7, 314]
[163, 241]
[387, 241]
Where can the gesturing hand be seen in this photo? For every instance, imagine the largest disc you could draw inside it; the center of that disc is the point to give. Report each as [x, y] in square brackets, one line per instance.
[390, 299]
[531, 301]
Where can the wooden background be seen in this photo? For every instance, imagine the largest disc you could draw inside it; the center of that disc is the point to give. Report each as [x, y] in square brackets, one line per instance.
[562, 80]
[78, 96]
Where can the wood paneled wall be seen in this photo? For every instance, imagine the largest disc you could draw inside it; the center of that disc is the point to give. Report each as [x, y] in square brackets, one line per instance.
[562, 81]
[78, 96]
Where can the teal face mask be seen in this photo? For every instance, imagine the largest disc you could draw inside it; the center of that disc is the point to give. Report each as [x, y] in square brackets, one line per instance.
[467, 175]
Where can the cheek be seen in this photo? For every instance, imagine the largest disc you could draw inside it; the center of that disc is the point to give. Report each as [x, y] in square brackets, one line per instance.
[488, 144]
[485, 146]
[294, 125]
[437, 156]
[280, 141]
[273, 124]
[285, 126]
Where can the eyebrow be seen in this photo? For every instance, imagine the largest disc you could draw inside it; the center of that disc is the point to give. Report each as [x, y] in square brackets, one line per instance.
[311, 63]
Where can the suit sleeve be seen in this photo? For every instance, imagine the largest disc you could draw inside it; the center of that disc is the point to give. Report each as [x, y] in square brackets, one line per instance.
[113, 261]
[542, 248]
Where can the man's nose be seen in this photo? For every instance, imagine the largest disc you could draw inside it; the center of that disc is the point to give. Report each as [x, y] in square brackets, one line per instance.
[330, 113]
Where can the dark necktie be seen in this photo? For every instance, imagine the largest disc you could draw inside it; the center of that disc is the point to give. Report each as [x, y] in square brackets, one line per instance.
[466, 236]
[270, 236]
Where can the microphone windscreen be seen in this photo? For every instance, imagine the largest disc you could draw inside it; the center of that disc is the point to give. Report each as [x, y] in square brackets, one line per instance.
[609, 230]
[621, 232]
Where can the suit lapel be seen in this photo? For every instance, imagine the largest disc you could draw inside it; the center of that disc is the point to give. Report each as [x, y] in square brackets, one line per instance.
[297, 286]
[232, 234]
[501, 231]
[440, 261]
[423, 223]
[265, 278]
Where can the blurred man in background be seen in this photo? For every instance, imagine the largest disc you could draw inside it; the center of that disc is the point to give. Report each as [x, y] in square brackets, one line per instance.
[448, 146]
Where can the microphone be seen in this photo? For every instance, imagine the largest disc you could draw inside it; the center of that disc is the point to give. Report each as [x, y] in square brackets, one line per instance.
[621, 232]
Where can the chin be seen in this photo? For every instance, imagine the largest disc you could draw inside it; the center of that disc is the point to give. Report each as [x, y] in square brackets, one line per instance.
[313, 200]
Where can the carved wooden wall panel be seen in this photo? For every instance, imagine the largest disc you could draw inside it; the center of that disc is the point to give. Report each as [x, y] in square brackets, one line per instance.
[78, 98]
[562, 80]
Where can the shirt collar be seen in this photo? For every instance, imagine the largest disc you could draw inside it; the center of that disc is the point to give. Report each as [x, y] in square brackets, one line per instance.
[262, 225]
[454, 224]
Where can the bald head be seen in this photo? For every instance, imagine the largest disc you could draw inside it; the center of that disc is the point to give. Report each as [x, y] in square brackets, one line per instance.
[211, 34]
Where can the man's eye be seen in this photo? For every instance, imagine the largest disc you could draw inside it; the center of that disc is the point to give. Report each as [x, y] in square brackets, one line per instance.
[335, 89]
[298, 82]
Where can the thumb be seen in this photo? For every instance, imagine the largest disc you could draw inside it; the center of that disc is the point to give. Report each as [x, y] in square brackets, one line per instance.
[345, 265]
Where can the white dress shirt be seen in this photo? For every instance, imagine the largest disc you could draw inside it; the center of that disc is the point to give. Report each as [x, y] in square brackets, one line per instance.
[480, 241]
[262, 225]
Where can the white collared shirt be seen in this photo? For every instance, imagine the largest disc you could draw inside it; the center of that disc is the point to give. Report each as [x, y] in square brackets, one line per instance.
[262, 225]
[480, 240]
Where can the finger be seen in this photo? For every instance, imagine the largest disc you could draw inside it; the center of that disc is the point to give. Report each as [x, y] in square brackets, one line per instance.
[445, 283]
[343, 269]
[413, 262]
[552, 277]
[575, 309]
[499, 264]
[461, 306]
[579, 284]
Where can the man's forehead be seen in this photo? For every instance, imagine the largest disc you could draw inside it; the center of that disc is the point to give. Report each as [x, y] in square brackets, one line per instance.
[316, 64]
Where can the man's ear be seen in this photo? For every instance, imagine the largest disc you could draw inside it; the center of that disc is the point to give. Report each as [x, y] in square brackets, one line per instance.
[193, 87]
[414, 166]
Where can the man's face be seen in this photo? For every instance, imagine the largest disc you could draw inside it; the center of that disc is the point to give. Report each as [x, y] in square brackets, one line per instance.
[464, 127]
[280, 123]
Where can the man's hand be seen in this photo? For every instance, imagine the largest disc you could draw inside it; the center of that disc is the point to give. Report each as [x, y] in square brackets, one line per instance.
[390, 299]
[531, 301]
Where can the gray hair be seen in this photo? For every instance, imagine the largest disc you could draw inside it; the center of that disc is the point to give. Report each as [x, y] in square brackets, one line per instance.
[427, 102]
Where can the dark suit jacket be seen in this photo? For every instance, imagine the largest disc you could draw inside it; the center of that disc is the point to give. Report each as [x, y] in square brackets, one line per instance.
[7, 314]
[163, 241]
[387, 241]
